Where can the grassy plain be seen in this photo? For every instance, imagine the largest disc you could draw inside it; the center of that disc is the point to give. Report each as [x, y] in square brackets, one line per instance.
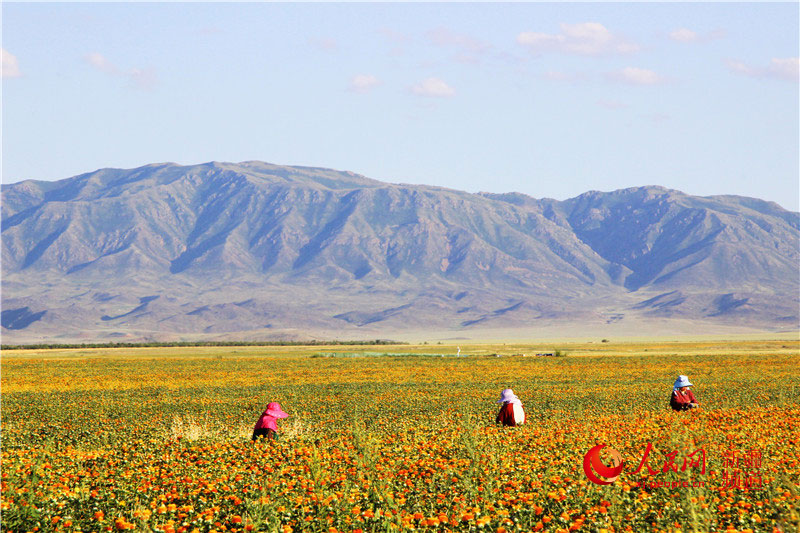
[387, 438]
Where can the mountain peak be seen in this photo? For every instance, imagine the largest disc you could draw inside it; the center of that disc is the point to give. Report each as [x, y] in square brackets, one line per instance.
[224, 247]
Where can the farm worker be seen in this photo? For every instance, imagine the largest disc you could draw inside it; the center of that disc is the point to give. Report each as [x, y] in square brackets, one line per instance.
[511, 413]
[682, 398]
[267, 425]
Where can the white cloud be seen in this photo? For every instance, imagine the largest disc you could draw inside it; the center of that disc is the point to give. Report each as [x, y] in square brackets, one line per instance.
[787, 69]
[99, 62]
[740, 68]
[363, 83]
[539, 40]
[137, 77]
[433, 87]
[684, 35]
[10, 67]
[587, 38]
[637, 76]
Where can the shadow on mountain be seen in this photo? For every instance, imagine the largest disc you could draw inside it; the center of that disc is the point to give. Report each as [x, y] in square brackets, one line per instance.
[81, 266]
[361, 318]
[308, 252]
[143, 302]
[726, 303]
[668, 250]
[662, 301]
[494, 314]
[19, 318]
[41, 247]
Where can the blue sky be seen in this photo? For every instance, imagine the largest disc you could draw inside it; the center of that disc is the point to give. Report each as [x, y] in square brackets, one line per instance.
[550, 100]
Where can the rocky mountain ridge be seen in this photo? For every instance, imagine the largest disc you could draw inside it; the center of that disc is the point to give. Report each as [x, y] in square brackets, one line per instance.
[260, 250]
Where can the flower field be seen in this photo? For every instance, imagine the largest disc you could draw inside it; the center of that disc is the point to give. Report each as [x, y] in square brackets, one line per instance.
[153, 440]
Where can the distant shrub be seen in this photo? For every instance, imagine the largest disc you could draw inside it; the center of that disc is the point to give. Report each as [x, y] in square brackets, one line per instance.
[378, 342]
[559, 353]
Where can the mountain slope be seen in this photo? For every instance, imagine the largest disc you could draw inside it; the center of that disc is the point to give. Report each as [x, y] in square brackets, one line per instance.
[222, 248]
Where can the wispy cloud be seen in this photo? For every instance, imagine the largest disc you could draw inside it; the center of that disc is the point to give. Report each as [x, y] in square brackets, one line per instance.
[209, 30]
[586, 38]
[394, 36]
[145, 79]
[444, 37]
[787, 69]
[10, 66]
[658, 118]
[363, 83]
[433, 87]
[637, 76]
[685, 35]
[468, 49]
[140, 78]
[612, 104]
[329, 45]
[99, 61]
[556, 75]
[396, 40]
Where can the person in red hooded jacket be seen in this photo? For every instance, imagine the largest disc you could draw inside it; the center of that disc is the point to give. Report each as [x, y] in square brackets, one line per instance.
[511, 413]
[267, 425]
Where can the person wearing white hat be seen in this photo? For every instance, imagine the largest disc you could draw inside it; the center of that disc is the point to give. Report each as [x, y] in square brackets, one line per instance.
[511, 413]
[682, 399]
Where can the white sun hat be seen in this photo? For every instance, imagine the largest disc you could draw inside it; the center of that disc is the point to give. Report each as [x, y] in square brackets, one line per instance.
[682, 381]
[508, 396]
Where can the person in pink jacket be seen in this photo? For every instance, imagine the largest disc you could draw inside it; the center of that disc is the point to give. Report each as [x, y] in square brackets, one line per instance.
[267, 425]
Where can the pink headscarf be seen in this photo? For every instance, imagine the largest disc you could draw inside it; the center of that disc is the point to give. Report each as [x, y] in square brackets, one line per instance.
[274, 409]
[270, 417]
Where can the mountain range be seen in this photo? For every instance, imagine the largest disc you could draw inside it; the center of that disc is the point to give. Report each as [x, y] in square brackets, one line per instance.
[260, 251]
